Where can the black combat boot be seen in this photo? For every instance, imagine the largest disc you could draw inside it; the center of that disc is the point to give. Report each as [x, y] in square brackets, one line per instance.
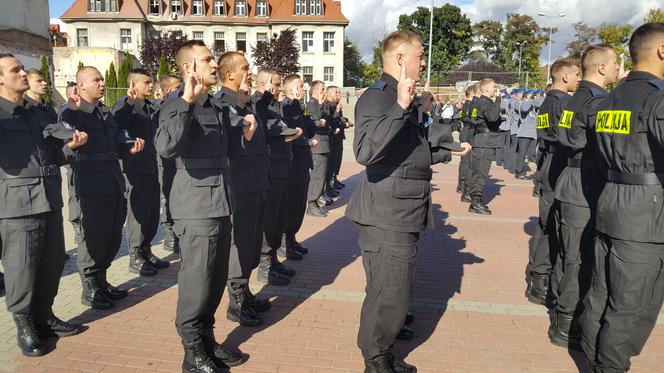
[477, 207]
[253, 302]
[2, 284]
[314, 210]
[279, 267]
[331, 192]
[50, 326]
[267, 274]
[289, 253]
[196, 360]
[539, 286]
[149, 257]
[401, 366]
[237, 308]
[27, 336]
[405, 333]
[563, 332]
[111, 291]
[460, 187]
[387, 364]
[410, 317]
[93, 294]
[171, 241]
[222, 355]
[290, 241]
[465, 197]
[138, 264]
[338, 184]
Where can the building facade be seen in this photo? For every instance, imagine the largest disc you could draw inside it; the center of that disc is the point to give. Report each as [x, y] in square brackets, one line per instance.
[24, 30]
[227, 25]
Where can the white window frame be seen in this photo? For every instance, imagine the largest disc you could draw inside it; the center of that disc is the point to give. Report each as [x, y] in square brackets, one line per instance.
[197, 7]
[220, 37]
[151, 4]
[300, 7]
[261, 35]
[241, 36]
[308, 71]
[327, 74]
[126, 45]
[261, 8]
[200, 32]
[179, 7]
[241, 5]
[219, 7]
[328, 42]
[307, 43]
[78, 37]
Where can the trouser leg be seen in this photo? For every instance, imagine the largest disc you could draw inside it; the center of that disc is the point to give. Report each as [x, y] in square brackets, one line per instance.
[596, 300]
[142, 209]
[389, 263]
[501, 153]
[522, 150]
[481, 164]
[297, 193]
[102, 218]
[276, 211]
[339, 158]
[74, 210]
[247, 235]
[318, 174]
[545, 244]
[204, 248]
[51, 264]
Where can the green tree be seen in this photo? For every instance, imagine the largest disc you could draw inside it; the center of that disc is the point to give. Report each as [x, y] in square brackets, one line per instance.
[584, 36]
[281, 53]
[164, 68]
[353, 65]
[377, 59]
[617, 36]
[123, 73]
[488, 37]
[111, 83]
[655, 15]
[46, 72]
[80, 65]
[452, 34]
[523, 34]
[371, 73]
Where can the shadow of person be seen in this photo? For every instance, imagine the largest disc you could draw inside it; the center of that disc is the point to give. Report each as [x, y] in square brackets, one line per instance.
[440, 261]
[529, 228]
[345, 193]
[492, 189]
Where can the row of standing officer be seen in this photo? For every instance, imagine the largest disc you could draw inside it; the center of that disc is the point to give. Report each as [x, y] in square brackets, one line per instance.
[521, 108]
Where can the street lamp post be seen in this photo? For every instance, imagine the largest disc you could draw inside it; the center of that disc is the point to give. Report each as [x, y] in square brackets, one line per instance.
[430, 41]
[520, 44]
[548, 70]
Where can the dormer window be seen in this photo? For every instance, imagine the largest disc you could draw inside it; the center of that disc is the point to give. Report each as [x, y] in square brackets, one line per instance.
[219, 7]
[309, 7]
[197, 8]
[176, 7]
[300, 7]
[102, 5]
[155, 7]
[241, 8]
[261, 8]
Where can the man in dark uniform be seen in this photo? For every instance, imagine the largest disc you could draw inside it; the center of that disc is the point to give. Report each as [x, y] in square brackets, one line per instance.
[135, 114]
[321, 153]
[487, 137]
[301, 163]
[35, 95]
[170, 85]
[466, 135]
[331, 108]
[73, 209]
[625, 298]
[392, 203]
[339, 145]
[99, 186]
[31, 230]
[192, 134]
[565, 74]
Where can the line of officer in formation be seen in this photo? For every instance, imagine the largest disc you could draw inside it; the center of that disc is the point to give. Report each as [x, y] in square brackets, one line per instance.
[230, 174]
[597, 258]
[397, 141]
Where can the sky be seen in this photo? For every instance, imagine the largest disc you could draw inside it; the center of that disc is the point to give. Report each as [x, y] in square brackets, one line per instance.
[370, 20]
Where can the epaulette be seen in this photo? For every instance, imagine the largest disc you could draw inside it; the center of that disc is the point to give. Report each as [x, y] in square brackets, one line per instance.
[379, 84]
[657, 83]
[559, 96]
[596, 92]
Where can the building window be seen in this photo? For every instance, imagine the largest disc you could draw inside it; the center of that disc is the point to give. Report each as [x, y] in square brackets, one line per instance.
[155, 6]
[176, 7]
[308, 73]
[103, 5]
[312, 7]
[328, 74]
[241, 42]
[319, 8]
[111, 5]
[219, 43]
[219, 7]
[300, 7]
[125, 39]
[197, 8]
[261, 8]
[307, 41]
[197, 35]
[261, 37]
[82, 37]
[328, 42]
[240, 8]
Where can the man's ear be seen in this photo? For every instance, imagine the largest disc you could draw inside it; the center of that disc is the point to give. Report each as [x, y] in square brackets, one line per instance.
[601, 69]
[660, 52]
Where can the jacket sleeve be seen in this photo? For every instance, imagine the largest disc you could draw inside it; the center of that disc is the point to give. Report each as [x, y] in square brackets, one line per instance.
[175, 119]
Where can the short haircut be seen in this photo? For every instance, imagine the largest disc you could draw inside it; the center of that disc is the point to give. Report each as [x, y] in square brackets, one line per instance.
[593, 56]
[485, 82]
[548, 88]
[316, 84]
[476, 88]
[268, 70]
[83, 69]
[137, 71]
[331, 88]
[642, 39]
[34, 72]
[227, 61]
[560, 65]
[469, 91]
[169, 81]
[290, 78]
[398, 38]
[3, 56]
[182, 51]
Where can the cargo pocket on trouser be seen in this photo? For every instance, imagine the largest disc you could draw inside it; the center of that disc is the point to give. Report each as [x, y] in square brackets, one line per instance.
[401, 267]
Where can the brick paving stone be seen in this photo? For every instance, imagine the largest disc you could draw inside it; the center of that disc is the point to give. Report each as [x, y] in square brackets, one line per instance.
[467, 297]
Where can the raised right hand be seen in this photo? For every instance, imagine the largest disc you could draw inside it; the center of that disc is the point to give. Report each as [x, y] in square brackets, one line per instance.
[405, 88]
[193, 87]
[74, 100]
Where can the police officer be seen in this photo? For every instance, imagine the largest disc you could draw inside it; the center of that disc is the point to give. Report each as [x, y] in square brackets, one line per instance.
[466, 135]
[301, 163]
[192, 133]
[390, 141]
[321, 152]
[503, 154]
[74, 210]
[35, 95]
[625, 298]
[99, 186]
[31, 228]
[331, 108]
[526, 110]
[576, 190]
[339, 145]
[135, 114]
[486, 139]
[565, 74]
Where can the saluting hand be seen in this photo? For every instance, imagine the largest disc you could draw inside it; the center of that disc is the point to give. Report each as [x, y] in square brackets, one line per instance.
[427, 98]
[138, 146]
[74, 100]
[193, 87]
[132, 95]
[405, 88]
[298, 133]
[78, 139]
[250, 126]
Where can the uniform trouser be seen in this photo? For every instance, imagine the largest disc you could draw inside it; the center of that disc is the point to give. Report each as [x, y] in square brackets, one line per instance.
[465, 168]
[510, 158]
[102, 218]
[204, 248]
[318, 175]
[72, 203]
[33, 258]
[389, 264]
[575, 258]
[532, 150]
[544, 246]
[522, 151]
[335, 156]
[623, 303]
[276, 213]
[142, 209]
[247, 235]
[297, 193]
[481, 164]
[339, 146]
[165, 183]
[502, 153]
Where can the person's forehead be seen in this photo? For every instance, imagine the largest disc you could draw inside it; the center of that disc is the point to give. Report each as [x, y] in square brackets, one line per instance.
[10, 62]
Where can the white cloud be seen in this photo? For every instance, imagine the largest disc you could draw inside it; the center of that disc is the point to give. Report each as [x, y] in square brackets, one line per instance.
[370, 19]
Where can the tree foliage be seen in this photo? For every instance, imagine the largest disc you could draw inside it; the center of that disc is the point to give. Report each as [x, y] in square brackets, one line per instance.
[164, 68]
[157, 46]
[655, 15]
[523, 34]
[488, 36]
[617, 36]
[80, 65]
[353, 65]
[46, 72]
[123, 73]
[111, 84]
[584, 36]
[281, 52]
[452, 34]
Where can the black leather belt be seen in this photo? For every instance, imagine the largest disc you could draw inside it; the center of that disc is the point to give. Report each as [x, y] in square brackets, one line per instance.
[579, 162]
[649, 178]
[24, 173]
[288, 156]
[201, 163]
[96, 157]
[398, 171]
